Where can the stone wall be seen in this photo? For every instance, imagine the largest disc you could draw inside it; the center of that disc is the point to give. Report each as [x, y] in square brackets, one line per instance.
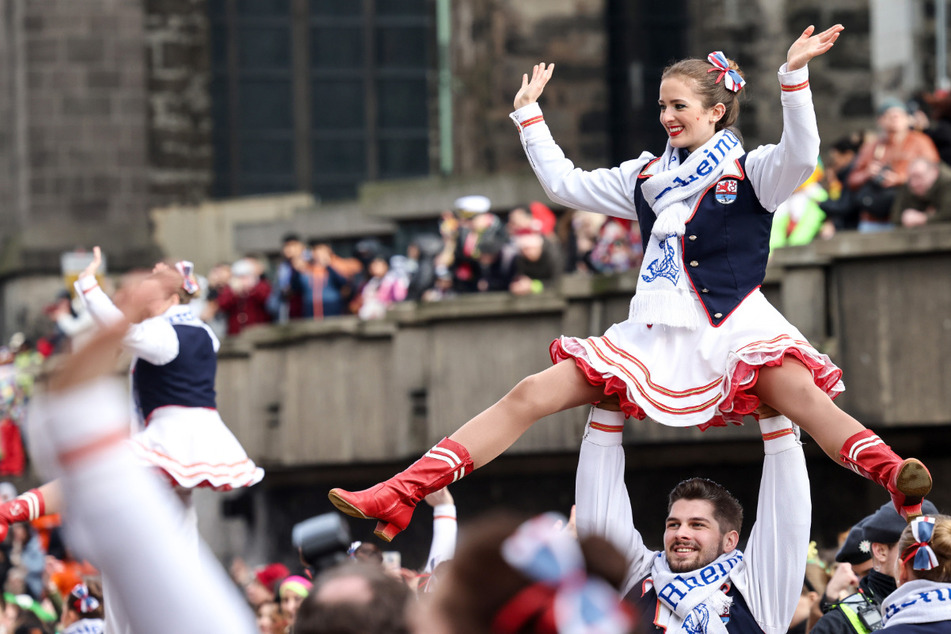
[757, 34]
[180, 150]
[83, 110]
[496, 41]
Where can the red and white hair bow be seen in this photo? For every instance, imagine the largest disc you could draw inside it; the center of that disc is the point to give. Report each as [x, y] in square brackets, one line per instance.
[187, 269]
[731, 79]
[922, 529]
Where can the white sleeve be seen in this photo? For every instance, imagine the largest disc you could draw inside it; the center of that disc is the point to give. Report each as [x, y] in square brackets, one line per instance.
[97, 303]
[153, 339]
[606, 191]
[602, 504]
[126, 521]
[775, 171]
[445, 529]
[771, 575]
[72, 326]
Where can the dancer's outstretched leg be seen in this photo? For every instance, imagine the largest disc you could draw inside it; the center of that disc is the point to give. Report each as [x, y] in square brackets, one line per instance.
[790, 389]
[44, 500]
[473, 445]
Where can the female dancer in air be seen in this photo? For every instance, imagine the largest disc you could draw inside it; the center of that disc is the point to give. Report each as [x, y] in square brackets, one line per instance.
[701, 346]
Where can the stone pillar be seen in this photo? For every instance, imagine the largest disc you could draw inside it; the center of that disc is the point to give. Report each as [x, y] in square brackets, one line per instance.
[180, 149]
[895, 71]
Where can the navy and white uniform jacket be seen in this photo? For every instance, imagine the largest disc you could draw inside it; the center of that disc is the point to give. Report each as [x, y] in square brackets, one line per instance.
[765, 586]
[175, 354]
[725, 246]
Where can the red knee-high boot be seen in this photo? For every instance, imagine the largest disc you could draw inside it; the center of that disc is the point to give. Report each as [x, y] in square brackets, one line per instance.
[23, 508]
[908, 481]
[392, 502]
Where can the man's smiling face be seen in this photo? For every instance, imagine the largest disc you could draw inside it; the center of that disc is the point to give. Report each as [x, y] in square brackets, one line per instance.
[693, 537]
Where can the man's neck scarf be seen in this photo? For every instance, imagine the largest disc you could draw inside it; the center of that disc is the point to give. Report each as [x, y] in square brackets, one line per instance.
[693, 602]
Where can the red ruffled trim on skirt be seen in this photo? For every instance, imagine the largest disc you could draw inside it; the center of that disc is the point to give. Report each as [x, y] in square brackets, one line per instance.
[739, 400]
[612, 384]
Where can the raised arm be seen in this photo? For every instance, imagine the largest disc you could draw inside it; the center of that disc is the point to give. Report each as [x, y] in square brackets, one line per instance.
[97, 303]
[607, 191]
[777, 170]
[151, 339]
[445, 528]
[770, 577]
[602, 503]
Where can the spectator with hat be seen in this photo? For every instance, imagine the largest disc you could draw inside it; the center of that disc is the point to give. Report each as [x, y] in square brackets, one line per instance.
[465, 231]
[242, 294]
[882, 164]
[860, 612]
[261, 586]
[292, 592]
[852, 562]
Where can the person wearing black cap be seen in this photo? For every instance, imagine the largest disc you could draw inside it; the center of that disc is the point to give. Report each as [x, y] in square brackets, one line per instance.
[856, 550]
[854, 560]
[861, 612]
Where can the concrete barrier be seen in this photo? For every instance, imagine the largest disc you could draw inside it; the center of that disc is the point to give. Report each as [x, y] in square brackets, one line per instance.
[344, 391]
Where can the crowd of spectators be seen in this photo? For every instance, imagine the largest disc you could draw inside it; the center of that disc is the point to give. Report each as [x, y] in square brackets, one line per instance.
[474, 251]
[894, 176]
[362, 593]
[45, 588]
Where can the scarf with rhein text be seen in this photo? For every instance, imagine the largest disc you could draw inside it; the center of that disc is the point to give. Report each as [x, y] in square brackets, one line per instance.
[663, 294]
[692, 602]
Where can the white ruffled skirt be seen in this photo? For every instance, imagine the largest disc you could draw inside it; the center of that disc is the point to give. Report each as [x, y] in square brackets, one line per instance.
[194, 448]
[701, 377]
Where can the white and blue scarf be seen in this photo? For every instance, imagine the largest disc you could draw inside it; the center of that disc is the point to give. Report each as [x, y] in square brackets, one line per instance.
[693, 602]
[663, 294]
[918, 601]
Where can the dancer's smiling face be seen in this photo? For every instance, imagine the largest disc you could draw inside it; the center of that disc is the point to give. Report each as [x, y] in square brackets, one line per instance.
[693, 537]
[682, 113]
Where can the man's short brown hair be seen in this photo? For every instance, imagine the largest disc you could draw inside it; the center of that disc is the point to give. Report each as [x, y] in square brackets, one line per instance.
[726, 509]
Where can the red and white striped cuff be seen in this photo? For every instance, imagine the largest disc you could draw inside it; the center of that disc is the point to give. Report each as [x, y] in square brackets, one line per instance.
[532, 121]
[795, 87]
[779, 434]
[604, 427]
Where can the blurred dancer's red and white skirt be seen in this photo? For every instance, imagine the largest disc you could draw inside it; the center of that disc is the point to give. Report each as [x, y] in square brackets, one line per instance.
[702, 377]
[194, 448]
